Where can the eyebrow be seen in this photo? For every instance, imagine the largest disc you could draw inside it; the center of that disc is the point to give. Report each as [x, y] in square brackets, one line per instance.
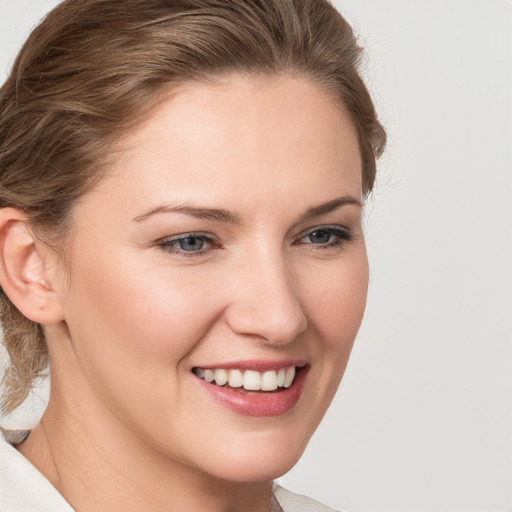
[214, 214]
[225, 216]
[330, 206]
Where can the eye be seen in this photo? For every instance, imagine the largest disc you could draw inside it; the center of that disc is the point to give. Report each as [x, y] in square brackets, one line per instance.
[321, 236]
[188, 244]
[325, 236]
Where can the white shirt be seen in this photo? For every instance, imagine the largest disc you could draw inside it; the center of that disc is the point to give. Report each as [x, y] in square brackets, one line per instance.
[24, 489]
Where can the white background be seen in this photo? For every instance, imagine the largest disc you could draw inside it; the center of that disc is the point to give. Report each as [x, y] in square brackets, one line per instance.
[423, 419]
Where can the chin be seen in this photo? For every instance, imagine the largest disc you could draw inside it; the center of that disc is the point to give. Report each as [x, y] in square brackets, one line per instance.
[249, 470]
[261, 460]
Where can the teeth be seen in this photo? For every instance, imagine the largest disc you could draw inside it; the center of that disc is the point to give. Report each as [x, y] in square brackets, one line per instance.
[235, 378]
[281, 374]
[269, 381]
[290, 375]
[250, 380]
[221, 377]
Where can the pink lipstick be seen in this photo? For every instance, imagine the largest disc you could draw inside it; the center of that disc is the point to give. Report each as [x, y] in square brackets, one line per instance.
[255, 388]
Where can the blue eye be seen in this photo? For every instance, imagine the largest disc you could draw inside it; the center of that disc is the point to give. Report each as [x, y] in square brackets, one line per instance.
[188, 244]
[326, 236]
[321, 236]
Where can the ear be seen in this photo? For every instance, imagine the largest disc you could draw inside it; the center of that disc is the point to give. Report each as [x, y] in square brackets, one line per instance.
[28, 269]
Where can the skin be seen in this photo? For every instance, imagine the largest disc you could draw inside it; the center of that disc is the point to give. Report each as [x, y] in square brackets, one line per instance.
[126, 416]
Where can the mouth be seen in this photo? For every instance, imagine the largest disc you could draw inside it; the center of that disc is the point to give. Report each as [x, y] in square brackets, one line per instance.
[250, 392]
[249, 380]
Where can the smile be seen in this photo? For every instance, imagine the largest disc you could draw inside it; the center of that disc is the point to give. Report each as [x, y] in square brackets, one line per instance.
[254, 388]
[248, 380]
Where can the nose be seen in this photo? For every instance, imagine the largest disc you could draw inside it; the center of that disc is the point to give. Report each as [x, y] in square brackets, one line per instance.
[264, 301]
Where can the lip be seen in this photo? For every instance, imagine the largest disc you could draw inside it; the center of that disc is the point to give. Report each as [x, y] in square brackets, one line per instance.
[262, 404]
[259, 365]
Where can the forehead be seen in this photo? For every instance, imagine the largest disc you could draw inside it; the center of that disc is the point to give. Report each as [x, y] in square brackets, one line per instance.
[256, 137]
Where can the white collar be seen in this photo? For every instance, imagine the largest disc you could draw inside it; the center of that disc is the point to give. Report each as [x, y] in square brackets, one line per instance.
[22, 487]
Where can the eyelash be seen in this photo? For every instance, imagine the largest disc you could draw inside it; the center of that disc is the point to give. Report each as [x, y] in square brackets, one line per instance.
[171, 244]
[341, 236]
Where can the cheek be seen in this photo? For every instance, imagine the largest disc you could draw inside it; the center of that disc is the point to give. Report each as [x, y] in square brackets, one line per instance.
[335, 309]
[138, 315]
[336, 304]
[132, 330]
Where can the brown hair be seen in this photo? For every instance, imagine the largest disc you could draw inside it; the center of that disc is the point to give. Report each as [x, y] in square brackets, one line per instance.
[93, 67]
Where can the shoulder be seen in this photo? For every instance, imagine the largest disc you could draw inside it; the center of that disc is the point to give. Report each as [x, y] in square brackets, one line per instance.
[291, 502]
[22, 487]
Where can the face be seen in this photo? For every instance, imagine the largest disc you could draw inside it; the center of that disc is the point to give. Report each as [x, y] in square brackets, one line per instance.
[219, 276]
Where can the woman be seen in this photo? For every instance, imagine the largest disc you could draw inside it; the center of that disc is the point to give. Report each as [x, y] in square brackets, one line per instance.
[182, 185]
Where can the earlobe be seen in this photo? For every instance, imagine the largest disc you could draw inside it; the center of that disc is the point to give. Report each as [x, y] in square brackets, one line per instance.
[24, 270]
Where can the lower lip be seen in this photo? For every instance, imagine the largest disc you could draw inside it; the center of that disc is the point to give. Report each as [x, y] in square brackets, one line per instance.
[258, 404]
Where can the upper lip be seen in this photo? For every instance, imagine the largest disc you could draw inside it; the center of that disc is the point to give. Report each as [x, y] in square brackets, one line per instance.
[260, 365]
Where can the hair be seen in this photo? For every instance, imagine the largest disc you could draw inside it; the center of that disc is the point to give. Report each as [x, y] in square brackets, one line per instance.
[92, 68]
